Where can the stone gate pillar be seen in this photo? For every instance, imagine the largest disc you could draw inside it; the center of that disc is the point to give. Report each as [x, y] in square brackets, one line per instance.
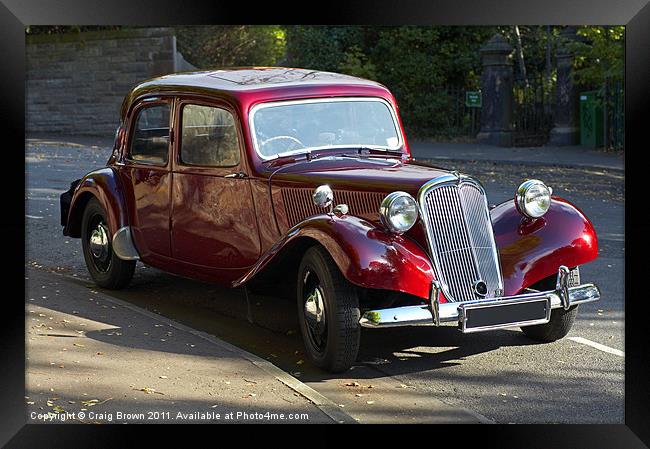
[496, 87]
[566, 129]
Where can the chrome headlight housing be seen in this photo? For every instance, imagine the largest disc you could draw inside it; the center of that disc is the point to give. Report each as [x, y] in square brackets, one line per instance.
[398, 212]
[533, 198]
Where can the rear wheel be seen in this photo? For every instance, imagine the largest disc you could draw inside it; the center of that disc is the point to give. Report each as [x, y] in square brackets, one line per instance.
[106, 269]
[561, 320]
[328, 312]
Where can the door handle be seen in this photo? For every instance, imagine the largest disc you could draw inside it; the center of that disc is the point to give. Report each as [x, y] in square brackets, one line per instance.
[239, 174]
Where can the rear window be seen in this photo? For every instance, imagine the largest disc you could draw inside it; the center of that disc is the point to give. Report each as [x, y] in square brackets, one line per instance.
[150, 143]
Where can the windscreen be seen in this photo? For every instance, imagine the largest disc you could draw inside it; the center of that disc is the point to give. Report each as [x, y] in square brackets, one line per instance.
[293, 126]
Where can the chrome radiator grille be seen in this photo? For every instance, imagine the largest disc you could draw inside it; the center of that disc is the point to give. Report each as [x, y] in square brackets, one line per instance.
[460, 236]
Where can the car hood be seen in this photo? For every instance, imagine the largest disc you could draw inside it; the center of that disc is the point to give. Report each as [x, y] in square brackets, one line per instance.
[369, 174]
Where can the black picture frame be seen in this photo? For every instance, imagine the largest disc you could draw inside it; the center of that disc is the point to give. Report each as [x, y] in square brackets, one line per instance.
[635, 14]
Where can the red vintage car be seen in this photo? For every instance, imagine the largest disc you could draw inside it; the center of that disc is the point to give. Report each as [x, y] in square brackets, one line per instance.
[303, 180]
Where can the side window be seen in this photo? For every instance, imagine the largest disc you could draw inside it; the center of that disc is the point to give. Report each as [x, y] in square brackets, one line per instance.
[150, 142]
[209, 137]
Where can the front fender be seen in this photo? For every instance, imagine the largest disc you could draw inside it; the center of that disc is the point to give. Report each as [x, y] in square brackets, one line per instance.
[533, 249]
[104, 185]
[367, 256]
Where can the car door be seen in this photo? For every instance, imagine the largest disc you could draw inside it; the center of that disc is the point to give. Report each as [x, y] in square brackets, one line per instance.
[213, 218]
[148, 180]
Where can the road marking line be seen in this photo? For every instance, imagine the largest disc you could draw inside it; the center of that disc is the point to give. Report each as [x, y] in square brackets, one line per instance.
[612, 237]
[598, 346]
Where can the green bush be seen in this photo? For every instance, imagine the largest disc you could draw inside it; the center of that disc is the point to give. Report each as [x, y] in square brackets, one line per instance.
[416, 63]
[230, 45]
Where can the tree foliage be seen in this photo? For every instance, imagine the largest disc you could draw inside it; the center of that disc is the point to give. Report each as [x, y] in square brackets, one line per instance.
[229, 45]
[599, 55]
[418, 64]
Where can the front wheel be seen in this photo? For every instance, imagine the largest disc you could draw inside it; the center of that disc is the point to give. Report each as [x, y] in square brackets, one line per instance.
[328, 312]
[561, 320]
[106, 269]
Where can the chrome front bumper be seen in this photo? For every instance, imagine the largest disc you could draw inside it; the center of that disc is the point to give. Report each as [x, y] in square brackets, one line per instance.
[436, 313]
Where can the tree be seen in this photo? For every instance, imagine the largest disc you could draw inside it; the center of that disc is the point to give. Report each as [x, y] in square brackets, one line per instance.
[229, 45]
[599, 55]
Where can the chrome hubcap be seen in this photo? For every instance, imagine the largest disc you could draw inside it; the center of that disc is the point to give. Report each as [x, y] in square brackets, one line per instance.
[99, 243]
[314, 312]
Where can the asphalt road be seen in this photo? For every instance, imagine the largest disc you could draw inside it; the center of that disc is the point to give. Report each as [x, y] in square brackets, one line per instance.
[500, 375]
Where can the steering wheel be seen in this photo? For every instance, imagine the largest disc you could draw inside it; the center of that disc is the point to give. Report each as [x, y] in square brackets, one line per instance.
[275, 138]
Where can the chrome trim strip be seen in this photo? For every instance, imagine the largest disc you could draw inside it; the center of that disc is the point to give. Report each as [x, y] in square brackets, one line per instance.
[456, 179]
[257, 107]
[123, 246]
[449, 312]
[562, 286]
[434, 301]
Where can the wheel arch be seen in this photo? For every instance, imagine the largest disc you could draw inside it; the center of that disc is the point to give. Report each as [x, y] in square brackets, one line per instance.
[367, 256]
[73, 227]
[532, 249]
[104, 186]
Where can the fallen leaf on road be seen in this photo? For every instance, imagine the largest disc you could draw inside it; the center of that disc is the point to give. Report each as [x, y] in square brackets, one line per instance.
[358, 395]
[370, 402]
[352, 384]
[79, 345]
[90, 403]
[163, 377]
[148, 390]
[58, 409]
[300, 362]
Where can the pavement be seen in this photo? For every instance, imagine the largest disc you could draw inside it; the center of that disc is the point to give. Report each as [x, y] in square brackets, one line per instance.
[92, 358]
[418, 374]
[569, 156]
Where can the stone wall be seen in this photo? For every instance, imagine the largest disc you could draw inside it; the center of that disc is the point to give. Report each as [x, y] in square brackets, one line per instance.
[76, 82]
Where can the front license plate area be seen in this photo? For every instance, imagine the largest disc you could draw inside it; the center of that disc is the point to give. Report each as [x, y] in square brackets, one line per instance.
[476, 317]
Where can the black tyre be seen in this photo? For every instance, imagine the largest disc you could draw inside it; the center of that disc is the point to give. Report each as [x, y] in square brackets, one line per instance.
[106, 269]
[561, 320]
[328, 312]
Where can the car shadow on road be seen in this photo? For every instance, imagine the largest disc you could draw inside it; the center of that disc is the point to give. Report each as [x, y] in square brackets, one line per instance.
[272, 332]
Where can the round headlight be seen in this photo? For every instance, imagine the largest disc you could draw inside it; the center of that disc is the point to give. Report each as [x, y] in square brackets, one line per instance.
[398, 212]
[533, 198]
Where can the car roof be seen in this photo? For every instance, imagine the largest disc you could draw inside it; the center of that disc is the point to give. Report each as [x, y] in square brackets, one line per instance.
[264, 81]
